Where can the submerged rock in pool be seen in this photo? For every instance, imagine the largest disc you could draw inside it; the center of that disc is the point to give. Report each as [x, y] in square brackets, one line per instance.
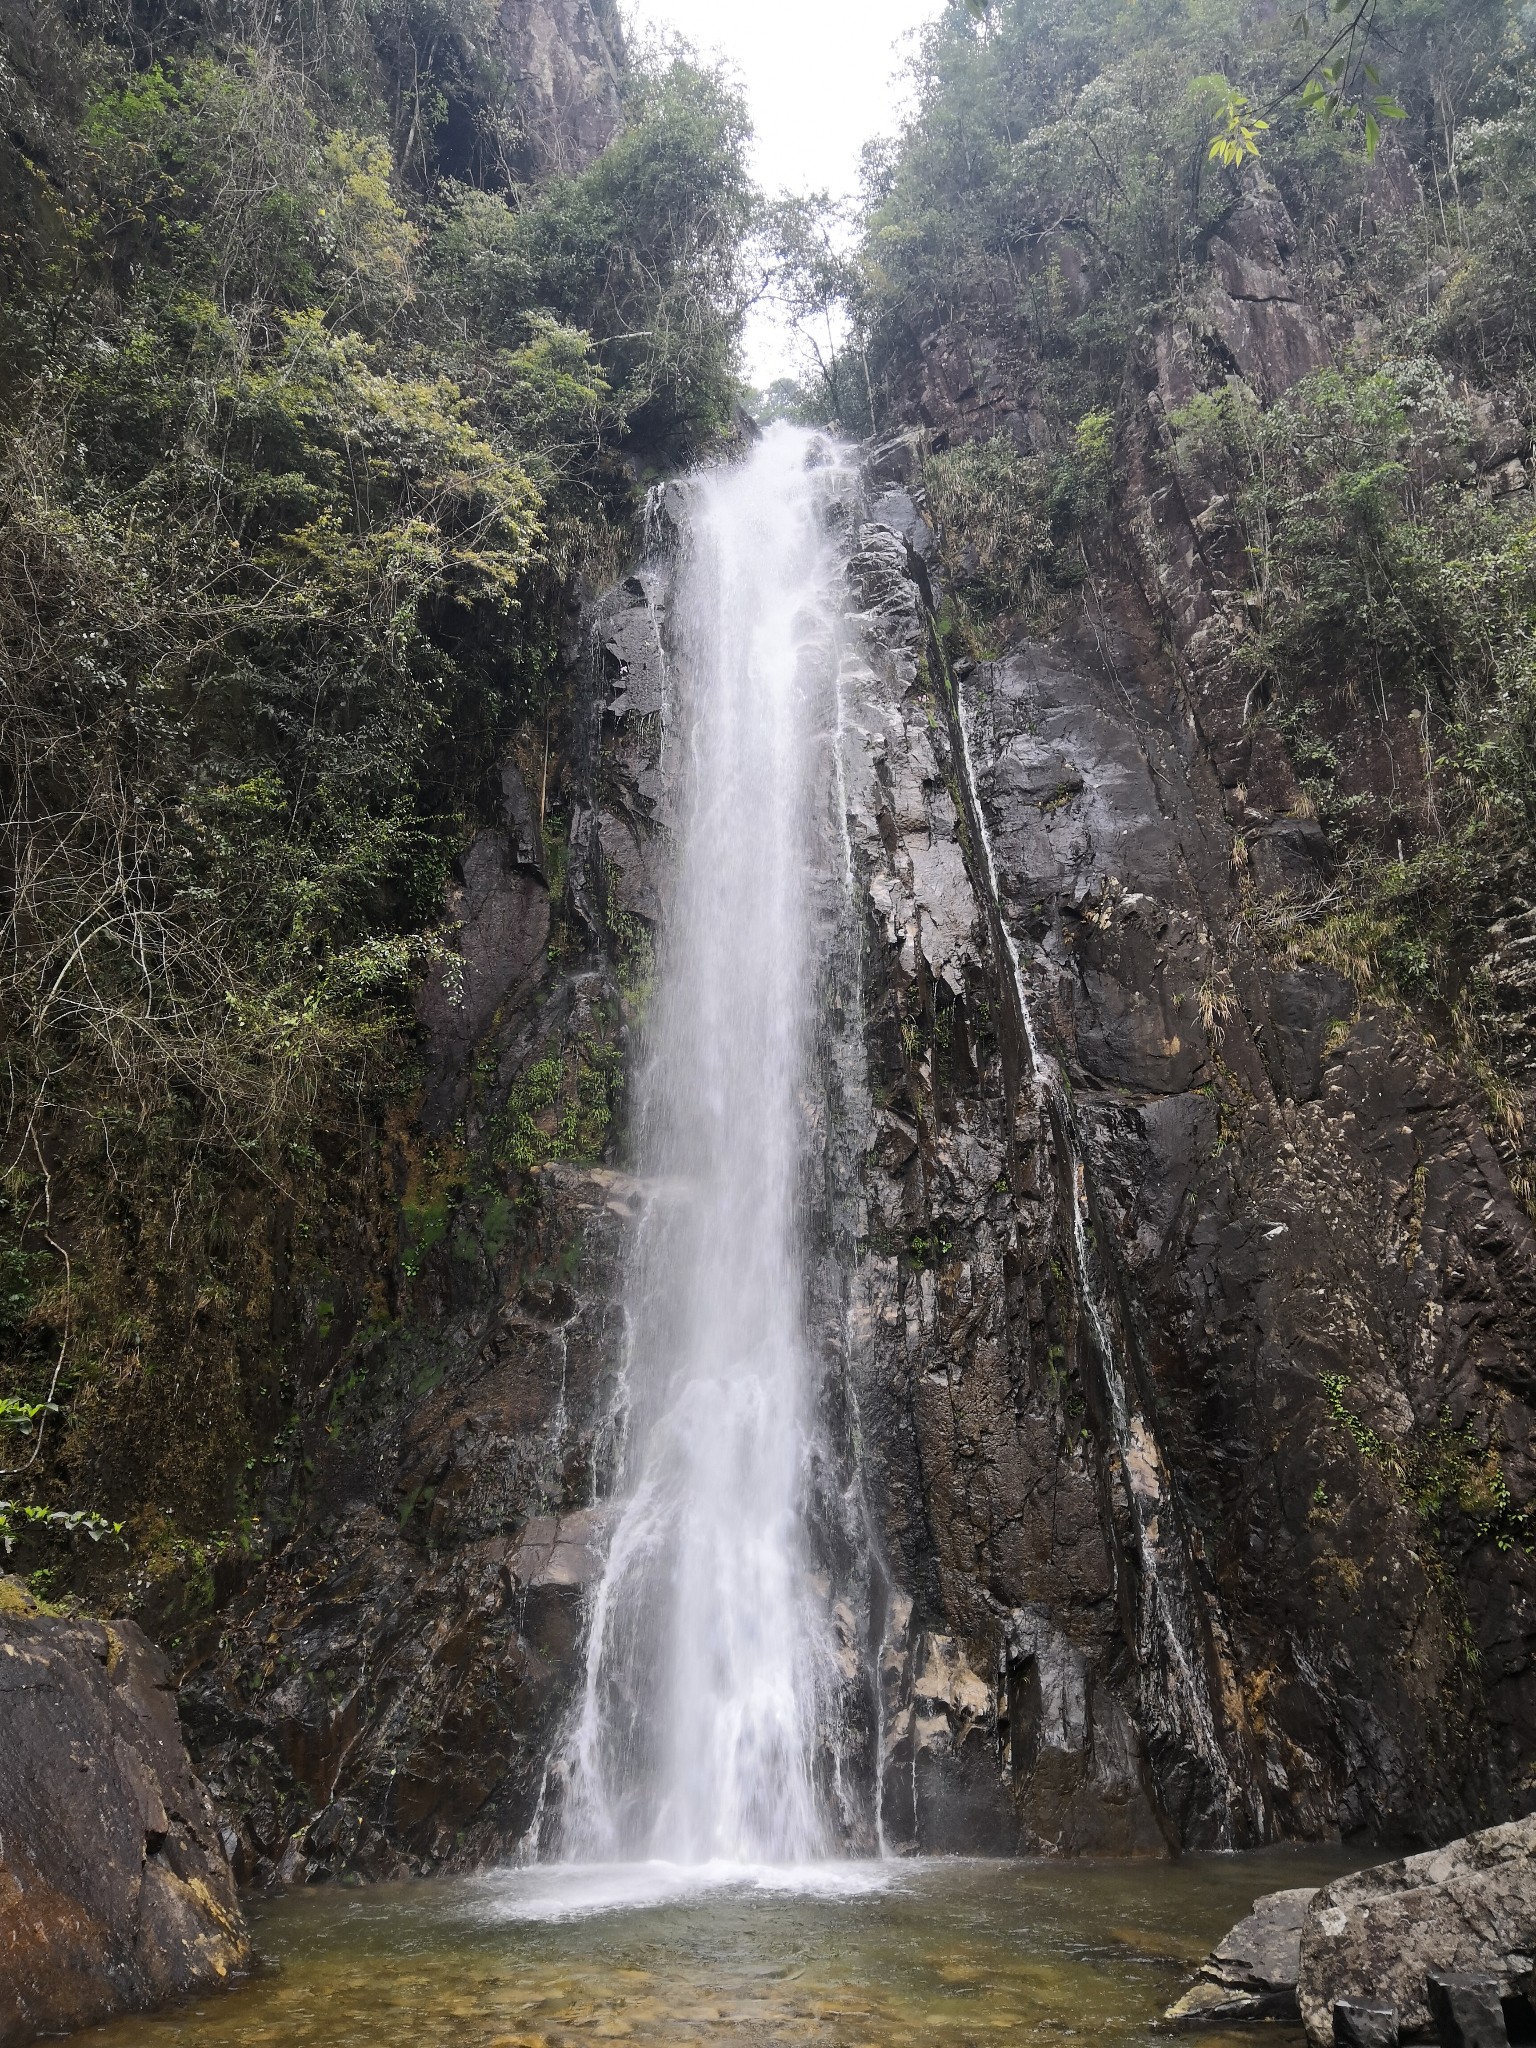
[1252, 1974]
[115, 1892]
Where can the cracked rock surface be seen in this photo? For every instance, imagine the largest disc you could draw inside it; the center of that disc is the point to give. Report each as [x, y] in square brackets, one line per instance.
[115, 1890]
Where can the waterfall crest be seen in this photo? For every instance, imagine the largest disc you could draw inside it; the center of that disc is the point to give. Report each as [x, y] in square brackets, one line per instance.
[695, 1734]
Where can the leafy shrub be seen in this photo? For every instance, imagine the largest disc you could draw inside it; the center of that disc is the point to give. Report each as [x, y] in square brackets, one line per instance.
[300, 444]
[1010, 525]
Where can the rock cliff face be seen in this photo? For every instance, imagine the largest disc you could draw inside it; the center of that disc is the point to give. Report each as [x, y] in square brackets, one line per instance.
[1175, 1302]
[1305, 1242]
[115, 1892]
[1136, 1258]
[1315, 1271]
[382, 1694]
[565, 56]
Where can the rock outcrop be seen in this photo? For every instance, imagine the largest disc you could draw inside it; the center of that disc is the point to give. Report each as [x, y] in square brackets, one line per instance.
[1253, 1973]
[1125, 1326]
[1469, 1908]
[566, 58]
[381, 1695]
[115, 1889]
[1288, 1210]
[1438, 1946]
[1316, 1279]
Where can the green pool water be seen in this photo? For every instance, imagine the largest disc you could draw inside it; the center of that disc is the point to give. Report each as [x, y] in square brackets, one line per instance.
[852, 1956]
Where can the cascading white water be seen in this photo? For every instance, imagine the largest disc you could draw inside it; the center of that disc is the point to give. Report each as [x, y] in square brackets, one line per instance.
[696, 1731]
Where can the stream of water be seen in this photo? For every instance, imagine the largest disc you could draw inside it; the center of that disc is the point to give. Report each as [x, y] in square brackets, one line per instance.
[1167, 1628]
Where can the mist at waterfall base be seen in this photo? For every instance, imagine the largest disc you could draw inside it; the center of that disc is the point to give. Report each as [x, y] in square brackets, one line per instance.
[706, 1668]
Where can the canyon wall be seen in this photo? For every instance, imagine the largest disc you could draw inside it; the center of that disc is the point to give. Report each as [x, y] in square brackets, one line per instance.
[1171, 1289]
[1142, 1566]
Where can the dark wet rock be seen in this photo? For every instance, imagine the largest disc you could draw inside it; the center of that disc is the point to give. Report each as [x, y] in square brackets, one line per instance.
[894, 463]
[378, 1694]
[632, 862]
[1290, 857]
[1466, 1909]
[522, 821]
[1304, 1006]
[1359, 2024]
[1467, 2007]
[500, 907]
[1314, 1253]
[1005, 1715]
[628, 852]
[1255, 306]
[1252, 1974]
[115, 1890]
[380, 1699]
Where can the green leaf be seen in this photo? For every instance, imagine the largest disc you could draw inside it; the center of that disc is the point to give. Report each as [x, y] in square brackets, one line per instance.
[1372, 137]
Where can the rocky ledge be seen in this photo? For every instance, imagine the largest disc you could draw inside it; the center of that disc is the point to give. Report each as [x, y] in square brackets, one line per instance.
[1433, 1947]
[115, 1891]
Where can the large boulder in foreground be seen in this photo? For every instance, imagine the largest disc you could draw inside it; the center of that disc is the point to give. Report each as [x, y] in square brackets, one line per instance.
[1252, 1975]
[115, 1892]
[1470, 1906]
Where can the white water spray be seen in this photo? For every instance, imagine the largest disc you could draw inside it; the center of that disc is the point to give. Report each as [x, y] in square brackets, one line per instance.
[696, 1733]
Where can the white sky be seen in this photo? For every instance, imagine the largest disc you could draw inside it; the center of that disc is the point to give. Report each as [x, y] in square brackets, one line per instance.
[822, 77]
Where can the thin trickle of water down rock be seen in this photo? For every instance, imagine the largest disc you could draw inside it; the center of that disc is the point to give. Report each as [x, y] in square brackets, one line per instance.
[695, 1734]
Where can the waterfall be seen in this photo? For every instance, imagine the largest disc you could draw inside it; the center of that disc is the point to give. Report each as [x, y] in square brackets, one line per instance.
[695, 1735]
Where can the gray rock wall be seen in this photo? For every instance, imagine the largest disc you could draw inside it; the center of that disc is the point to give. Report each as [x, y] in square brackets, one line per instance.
[1319, 1270]
[565, 57]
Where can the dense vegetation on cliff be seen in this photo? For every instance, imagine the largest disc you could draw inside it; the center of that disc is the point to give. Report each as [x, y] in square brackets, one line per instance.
[319, 389]
[1038, 249]
[313, 403]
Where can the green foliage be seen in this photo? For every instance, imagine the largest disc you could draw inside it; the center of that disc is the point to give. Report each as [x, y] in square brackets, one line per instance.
[309, 414]
[787, 398]
[811, 279]
[1385, 586]
[560, 1108]
[1378, 577]
[1440, 1471]
[1057, 183]
[1042, 188]
[1487, 316]
[1368, 555]
[1011, 525]
[1237, 138]
[22, 1414]
[18, 1519]
[1341, 84]
[641, 251]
